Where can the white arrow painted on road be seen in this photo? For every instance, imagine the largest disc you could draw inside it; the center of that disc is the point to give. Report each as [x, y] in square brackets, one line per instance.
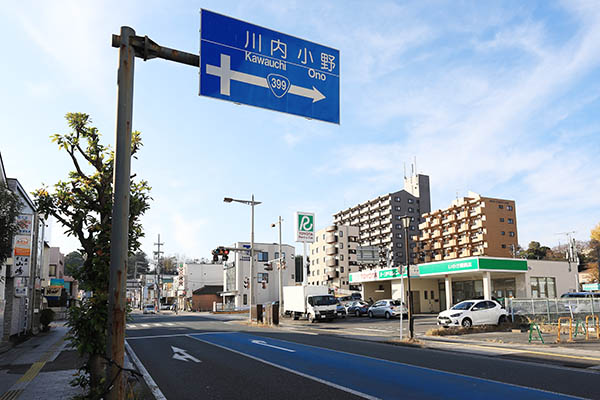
[181, 354]
[226, 75]
[263, 343]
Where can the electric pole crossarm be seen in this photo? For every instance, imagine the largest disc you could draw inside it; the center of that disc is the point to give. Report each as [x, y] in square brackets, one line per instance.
[146, 48]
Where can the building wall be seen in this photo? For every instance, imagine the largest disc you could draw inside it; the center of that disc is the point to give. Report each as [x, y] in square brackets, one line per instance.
[204, 302]
[239, 263]
[199, 275]
[333, 256]
[426, 305]
[565, 281]
[471, 226]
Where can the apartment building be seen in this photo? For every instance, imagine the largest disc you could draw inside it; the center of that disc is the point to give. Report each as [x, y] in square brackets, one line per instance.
[379, 219]
[472, 226]
[333, 257]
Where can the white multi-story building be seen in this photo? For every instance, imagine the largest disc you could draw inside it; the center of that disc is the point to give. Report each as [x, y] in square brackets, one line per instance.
[333, 257]
[266, 282]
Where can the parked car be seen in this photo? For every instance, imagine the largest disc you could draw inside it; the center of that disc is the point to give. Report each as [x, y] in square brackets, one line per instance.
[473, 312]
[149, 309]
[357, 308]
[166, 306]
[340, 310]
[578, 302]
[388, 309]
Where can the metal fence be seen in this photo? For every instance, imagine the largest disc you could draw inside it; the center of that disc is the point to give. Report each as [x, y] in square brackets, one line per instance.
[550, 310]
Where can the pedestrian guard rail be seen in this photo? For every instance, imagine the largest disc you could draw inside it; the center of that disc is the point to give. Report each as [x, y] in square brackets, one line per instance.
[549, 310]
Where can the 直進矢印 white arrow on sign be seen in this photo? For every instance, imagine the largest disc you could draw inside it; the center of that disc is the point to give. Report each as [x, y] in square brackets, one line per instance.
[226, 75]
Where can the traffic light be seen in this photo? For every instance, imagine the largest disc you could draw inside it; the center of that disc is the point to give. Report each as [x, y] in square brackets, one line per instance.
[220, 252]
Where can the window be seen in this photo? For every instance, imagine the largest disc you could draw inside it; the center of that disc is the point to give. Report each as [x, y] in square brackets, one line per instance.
[511, 234]
[509, 208]
[500, 206]
[432, 296]
[263, 256]
[503, 246]
[397, 199]
[501, 219]
[342, 269]
[410, 201]
[245, 299]
[503, 233]
[323, 236]
[397, 208]
[399, 235]
[410, 209]
[412, 227]
[511, 221]
[341, 234]
[398, 217]
[52, 271]
[342, 259]
[341, 246]
[425, 294]
[399, 245]
[398, 226]
[544, 287]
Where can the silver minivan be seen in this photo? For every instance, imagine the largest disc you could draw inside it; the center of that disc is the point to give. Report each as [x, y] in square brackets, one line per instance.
[388, 309]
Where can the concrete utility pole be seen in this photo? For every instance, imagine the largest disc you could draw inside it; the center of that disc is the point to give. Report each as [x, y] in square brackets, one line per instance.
[130, 46]
[411, 327]
[115, 344]
[157, 272]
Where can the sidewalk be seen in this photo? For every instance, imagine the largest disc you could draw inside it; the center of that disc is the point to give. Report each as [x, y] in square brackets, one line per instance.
[40, 368]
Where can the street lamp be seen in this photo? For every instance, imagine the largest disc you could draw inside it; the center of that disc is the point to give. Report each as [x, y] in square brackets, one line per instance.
[281, 264]
[250, 203]
[406, 223]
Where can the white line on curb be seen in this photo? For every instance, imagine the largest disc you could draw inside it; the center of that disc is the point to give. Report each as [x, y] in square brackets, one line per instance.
[158, 395]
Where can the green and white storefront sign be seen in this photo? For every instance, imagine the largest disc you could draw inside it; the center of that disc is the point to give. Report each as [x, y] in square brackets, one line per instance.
[473, 264]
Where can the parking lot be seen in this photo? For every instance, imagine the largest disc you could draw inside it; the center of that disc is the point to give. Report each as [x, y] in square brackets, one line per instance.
[365, 326]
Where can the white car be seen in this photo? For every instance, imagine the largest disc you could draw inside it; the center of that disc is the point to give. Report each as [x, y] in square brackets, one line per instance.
[149, 309]
[473, 312]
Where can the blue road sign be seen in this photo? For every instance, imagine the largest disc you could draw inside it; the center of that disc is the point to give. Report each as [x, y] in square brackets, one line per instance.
[249, 64]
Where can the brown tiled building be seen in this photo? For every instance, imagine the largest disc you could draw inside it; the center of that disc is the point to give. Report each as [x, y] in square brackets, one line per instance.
[471, 226]
[203, 298]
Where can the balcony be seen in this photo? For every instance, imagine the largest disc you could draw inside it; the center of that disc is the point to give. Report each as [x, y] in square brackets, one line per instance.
[330, 238]
[437, 245]
[364, 218]
[331, 228]
[450, 243]
[376, 242]
[386, 221]
[476, 238]
[464, 241]
[463, 228]
[424, 225]
[354, 213]
[387, 230]
[331, 250]
[451, 230]
[375, 224]
[386, 203]
[436, 234]
[435, 221]
[355, 222]
[425, 235]
[331, 262]
[352, 262]
[426, 246]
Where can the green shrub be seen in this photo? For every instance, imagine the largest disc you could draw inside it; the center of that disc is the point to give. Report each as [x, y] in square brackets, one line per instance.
[46, 317]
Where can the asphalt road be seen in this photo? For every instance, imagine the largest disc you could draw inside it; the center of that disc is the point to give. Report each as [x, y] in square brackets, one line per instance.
[216, 357]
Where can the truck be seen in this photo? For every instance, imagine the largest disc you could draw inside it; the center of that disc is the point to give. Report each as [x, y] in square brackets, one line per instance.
[313, 302]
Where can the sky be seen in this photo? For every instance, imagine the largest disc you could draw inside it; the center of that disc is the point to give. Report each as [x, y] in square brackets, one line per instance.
[499, 98]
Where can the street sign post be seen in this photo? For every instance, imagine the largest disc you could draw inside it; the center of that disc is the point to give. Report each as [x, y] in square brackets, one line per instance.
[249, 64]
[305, 233]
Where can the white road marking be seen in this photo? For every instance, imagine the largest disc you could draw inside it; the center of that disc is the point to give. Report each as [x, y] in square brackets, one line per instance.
[158, 395]
[372, 330]
[314, 378]
[181, 354]
[145, 325]
[263, 343]
[170, 324]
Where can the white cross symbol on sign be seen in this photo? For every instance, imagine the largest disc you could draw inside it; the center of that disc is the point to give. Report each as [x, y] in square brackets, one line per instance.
[226, 75]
